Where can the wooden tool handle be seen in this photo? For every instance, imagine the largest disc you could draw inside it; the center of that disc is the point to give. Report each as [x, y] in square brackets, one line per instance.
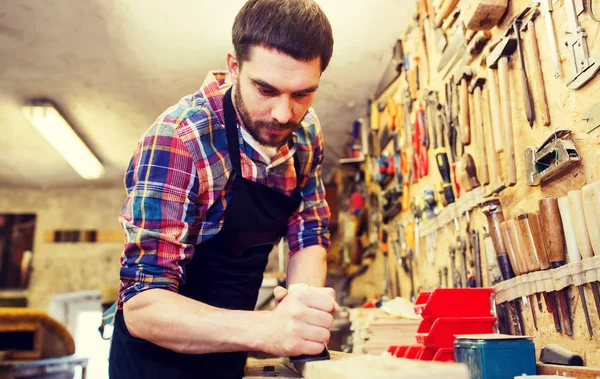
[567, 224]
[465, 126]
[518, 242]
[445, 9]
[496, 118]
[579, 225]
[492, 156]
[526, 248]
[509, 143]
[595, 188]
[471, 170]
[536, 75]
[495, 217]
[510, 247]
[535, 249]
[479, 137]
[462, 177]
[591, 218]
[551, 224]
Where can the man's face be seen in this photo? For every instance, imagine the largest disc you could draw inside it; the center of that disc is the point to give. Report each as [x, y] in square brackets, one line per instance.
[273, 92]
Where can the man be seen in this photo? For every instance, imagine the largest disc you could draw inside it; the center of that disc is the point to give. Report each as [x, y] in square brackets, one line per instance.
[215, 182]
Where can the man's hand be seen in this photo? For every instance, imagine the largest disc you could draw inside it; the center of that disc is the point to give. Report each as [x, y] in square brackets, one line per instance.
[301, 321]
[279, 293]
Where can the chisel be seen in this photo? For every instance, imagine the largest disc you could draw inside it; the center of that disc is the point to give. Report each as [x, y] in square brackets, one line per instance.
[493, 212]
[551, 224]
[516, 257]
[536, 257]
[573, 253]
[591, 208]
[582, 236]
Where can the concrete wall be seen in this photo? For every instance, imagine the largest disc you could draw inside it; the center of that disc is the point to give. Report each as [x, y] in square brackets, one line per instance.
[69, 267]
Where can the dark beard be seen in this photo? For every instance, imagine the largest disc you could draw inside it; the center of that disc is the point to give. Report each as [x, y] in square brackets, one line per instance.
[254, 127]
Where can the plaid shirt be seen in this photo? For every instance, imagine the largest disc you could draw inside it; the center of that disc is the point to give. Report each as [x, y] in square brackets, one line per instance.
[179, 184]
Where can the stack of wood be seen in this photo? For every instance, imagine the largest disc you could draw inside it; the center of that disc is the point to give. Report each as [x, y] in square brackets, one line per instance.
[373, 331]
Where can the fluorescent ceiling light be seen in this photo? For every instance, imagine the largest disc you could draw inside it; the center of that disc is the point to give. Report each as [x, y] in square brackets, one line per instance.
[51, 124]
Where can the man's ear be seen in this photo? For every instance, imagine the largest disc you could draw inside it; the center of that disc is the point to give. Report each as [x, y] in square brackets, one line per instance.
[233, 66]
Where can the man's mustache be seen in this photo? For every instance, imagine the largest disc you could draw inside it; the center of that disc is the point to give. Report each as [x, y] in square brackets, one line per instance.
[277, 126]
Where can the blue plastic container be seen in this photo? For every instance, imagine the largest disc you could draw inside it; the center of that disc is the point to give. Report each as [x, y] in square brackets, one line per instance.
[495, 356]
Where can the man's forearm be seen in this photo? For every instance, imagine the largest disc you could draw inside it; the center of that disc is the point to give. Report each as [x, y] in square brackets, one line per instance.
[308, 266]
[187, 326]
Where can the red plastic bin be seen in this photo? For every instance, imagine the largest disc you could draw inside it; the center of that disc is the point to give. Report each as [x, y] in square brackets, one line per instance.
[412, 351]
[442, 331]
[444, 355]
[421, 301]
[457, 302]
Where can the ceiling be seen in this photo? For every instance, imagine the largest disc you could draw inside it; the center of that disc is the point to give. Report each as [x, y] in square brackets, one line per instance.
[113, 66]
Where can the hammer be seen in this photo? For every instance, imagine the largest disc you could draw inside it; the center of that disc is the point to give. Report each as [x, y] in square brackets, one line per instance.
[475, 88]
[462, 77]
[498, 59]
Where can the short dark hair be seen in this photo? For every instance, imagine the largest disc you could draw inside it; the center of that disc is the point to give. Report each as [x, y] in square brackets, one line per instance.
[298, 28]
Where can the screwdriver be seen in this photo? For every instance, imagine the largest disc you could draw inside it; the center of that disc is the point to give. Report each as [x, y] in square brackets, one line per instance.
[536, 257]
[441, 157]
[581, 234]
[573, 253]
[551, 223]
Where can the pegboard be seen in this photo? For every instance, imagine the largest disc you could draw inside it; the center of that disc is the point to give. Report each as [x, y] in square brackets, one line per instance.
[566, 109]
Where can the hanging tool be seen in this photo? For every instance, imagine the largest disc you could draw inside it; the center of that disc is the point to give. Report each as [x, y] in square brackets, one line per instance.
[477, 253]
[454, 273]
[475, 88]
[511, 235]
[444, 10]
[462, 78]
[441, 158]
[423, 141]
[495, 112]
[409, 237]
[585, 67]
[573, 252]
[456, 47]
[383, 240]
[582, 231]
[515, 27]
[553, 156]
[484, 14]
[496, 182]
[546, 6]
[461, 249]
[535, 65]
[554, 240]
[493, 212]
[537, 258]
[446, 277]
[495, 277]
[498, 58]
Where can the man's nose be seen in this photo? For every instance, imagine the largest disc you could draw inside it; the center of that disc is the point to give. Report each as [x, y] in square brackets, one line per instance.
[282, 110]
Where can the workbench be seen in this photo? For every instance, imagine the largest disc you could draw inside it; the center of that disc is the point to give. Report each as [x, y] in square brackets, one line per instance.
[42, 368]
[356, 366]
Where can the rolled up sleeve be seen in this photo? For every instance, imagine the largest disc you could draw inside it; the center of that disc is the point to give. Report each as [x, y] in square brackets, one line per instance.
[158, 215]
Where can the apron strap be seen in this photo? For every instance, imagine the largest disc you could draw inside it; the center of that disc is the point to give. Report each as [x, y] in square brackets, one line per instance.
[233, 142]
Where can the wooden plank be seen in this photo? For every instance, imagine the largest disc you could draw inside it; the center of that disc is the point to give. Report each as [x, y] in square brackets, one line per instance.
[572, 371]
[382, 367]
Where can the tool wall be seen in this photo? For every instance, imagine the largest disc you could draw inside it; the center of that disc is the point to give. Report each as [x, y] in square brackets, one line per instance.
[482, 163]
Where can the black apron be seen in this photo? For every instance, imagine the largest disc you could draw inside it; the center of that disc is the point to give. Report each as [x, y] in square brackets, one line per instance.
[226, 272]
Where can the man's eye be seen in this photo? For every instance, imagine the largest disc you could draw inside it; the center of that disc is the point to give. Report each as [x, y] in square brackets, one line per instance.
[266, 92]
[300, 95]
